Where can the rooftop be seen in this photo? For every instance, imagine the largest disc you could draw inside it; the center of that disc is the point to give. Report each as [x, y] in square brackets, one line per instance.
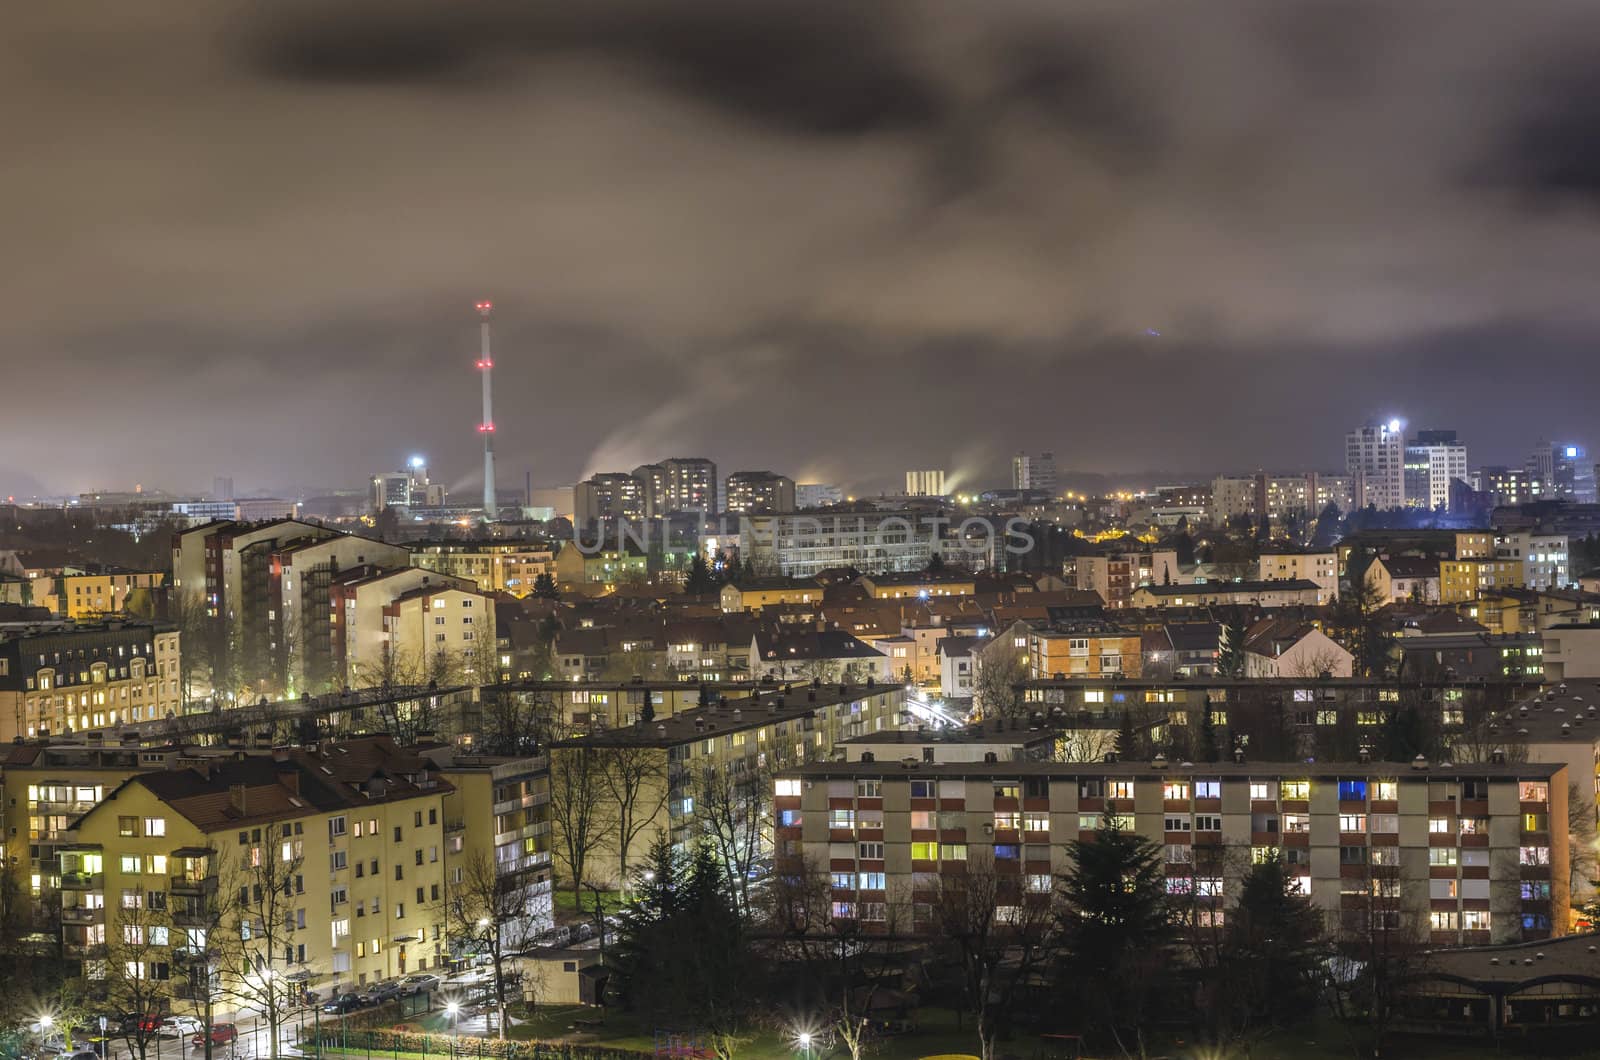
[730, 716]
[1247, 769]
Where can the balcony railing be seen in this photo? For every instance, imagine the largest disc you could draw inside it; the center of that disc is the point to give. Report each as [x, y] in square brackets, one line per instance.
[82, 914]
[83, 950]
[82, 881]
[190, 885]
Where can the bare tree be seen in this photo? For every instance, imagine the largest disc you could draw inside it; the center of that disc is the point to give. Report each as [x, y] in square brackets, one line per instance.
[994, 689]
[636, 781]
[186, 610]
[136, 971]
[850, 963]
[580, 809]
[1085, 744]
[731, 807]
[490, 910]
[265, 887]
[1001, 938]
[1380, 947]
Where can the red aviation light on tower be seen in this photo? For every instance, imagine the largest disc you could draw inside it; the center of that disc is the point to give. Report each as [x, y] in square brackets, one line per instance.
[483, 307]
[485, 428]
[485, 364]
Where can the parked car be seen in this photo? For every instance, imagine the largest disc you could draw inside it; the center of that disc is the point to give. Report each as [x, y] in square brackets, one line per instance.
[418, 984]
[378, 994]
[80, 1054]
[221, 1034]
[341, 1003]
[181, 1027]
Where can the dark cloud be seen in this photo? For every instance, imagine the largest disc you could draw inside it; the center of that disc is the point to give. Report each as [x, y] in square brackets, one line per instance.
[833, 237]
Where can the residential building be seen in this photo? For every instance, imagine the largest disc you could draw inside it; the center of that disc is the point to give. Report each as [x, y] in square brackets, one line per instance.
[1304, 495]
[141, 864]
[301, 609]
[785, 654]
[1399, 579]
[805, 545]
[917, 585]
[1507, 486]
[680, 484]
[57, 678]
[496, 566]
[1087, 648]
[82, 595]
[925, 483]
[1464, 656]
[1036, 472]
[1433, 460]
[1319, 566]
[1572, 651]
[227, 567]
[1452, 854]
[817, 495]
[497, 812]
[48, 786]
[1188, 649]
[958, 666]
[608, 495]
[594, 572]
[733, 740]
[750, 492]
[1299, 593]
[998, 739]
[1461, 580]
[1116, 573]
[409, 626]
[1287, 647]
[1375, 461]
[1543, 557]
[753, 594]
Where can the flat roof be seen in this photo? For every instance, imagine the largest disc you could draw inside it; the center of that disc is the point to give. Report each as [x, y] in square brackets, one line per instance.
[1236, 770]
[733, 715]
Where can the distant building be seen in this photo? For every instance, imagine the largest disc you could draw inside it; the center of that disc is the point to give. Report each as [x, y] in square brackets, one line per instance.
[1375, 461]
[1037, 472]
[1566, 470]
[753, 492]
[1544, 558]
[58, 678]
[1115, 574]
[1321, 567]
[1304, 495]
[1506, 486]
[925, 484]
[1299, 593]
[609, 495]
[82, 595]
[496, 566]
[409, 626]
[805, 545]
[256, 509]
[681, 484]
[222, 488]
[1433, 460]
[817, 495]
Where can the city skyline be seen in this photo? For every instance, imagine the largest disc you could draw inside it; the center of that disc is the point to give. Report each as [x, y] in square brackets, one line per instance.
[1059, 198]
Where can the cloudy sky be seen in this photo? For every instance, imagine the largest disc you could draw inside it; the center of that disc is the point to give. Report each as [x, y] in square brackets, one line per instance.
[831, 238]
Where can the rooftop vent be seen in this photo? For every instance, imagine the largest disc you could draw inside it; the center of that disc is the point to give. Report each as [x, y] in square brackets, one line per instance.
[990, 758]
[868, 756]
[1420, 763]
[1159, 761]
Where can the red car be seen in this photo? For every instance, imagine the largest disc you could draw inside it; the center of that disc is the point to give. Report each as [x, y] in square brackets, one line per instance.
[221, 1034]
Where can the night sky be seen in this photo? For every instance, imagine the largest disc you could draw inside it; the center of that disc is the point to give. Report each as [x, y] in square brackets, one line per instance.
[837, 239]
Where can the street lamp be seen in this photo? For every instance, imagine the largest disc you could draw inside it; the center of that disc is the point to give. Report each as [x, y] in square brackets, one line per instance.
[452, 1010]
[805, 1043]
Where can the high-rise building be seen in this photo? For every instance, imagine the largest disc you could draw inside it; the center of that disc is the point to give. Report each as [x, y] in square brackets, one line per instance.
[1034, 472]
[609, 495]
[222, 488]
[749, 492]
[1433, 460]
[1506, 486]
[681, 484]
[1375, 460]
[925, 483]
[1566, 471]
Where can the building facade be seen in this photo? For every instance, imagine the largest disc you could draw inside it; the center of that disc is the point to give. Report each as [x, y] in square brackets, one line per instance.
[751, 492]
[58, 679]
[1454, 854]
[1375, 462]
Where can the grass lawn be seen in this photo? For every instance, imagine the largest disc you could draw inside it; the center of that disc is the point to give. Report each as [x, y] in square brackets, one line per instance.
[582, 905]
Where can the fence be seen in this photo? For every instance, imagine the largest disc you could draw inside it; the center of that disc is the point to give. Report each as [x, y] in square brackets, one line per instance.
[377, 1042]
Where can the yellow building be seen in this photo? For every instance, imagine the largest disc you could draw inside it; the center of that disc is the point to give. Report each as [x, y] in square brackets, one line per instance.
[599, 572]
[1474, 544]
[917, 585]
[334, 857]
[753, 594]
[83, 597]
[1462, 580]
[496, 566]
[59, 679]
[1086, 649]
[498, 813]
[736, 742]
